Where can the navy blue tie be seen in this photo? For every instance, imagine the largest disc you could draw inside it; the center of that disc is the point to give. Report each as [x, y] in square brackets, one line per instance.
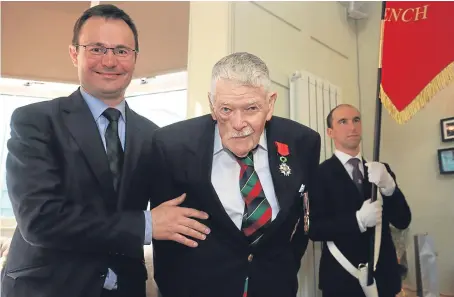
[114, 149]
[357, 176]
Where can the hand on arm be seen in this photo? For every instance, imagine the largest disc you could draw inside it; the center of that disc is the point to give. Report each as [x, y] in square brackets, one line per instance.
[172, 222]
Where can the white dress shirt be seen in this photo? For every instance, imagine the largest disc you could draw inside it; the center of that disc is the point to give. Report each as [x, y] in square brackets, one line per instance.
[225, 174]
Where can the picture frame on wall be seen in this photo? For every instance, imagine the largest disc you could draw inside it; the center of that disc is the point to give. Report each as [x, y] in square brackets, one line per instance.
[447, 129]
[446, 160]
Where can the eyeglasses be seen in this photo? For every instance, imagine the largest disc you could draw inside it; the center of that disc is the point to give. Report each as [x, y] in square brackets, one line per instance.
[99, 50]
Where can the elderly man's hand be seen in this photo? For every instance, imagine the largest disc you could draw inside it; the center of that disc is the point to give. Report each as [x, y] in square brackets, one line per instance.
[172, 222]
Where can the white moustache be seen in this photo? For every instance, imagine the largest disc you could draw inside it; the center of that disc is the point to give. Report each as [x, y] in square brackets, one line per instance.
[244, 133]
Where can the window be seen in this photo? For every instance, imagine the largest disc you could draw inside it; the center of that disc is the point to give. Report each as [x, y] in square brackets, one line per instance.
[161, 99]
[155, 107]
[7, 105]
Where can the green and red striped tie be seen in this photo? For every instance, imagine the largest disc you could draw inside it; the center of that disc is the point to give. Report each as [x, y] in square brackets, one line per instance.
[257, 210]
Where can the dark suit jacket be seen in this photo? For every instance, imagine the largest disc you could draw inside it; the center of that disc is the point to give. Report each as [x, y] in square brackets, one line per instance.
[71, 224]
[182, 159]
[333, 206]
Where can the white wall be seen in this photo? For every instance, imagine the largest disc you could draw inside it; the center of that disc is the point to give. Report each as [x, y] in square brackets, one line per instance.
[0, 38]
[210, 25]
[368, 45]
[290, 36]
[411, 150]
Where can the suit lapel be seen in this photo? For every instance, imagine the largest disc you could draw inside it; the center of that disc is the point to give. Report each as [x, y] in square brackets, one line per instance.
[282, 184]
[133, 147]
[285, 187]
[83, 128]
[203, 154]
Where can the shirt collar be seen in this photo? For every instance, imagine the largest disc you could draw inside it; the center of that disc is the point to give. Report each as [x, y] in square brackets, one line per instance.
[97, 107]
[218, 147]
[343, 157]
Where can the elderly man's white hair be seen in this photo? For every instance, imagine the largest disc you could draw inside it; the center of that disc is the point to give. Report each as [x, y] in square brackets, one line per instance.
[243, 68]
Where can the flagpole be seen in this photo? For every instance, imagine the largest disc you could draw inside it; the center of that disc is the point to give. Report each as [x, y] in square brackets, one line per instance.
[376, 148]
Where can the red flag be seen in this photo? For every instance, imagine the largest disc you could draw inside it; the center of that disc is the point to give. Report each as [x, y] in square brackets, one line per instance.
[417, 54]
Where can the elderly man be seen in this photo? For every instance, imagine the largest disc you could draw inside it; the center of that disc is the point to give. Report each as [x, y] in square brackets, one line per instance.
[250, 172]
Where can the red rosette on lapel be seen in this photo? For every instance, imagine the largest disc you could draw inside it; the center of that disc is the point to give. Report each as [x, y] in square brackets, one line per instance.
[282, 149]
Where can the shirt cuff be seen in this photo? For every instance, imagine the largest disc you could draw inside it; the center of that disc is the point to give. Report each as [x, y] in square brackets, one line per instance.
[111, 280]
[360, 224]
[148, 228]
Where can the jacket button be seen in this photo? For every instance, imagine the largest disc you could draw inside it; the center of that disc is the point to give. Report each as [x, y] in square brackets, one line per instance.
[250, 257]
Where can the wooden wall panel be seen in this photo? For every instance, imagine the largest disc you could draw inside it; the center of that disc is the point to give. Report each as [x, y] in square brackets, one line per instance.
[35, 38]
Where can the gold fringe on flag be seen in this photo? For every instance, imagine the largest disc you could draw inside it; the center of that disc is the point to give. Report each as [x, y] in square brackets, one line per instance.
[441, 81]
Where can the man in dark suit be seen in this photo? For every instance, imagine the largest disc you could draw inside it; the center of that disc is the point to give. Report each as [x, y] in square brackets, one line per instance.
[341, 211]
[78, 178]
[250, 172]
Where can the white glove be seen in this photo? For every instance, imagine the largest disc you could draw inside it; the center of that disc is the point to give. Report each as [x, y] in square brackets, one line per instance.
[369, 215]
[380, 176]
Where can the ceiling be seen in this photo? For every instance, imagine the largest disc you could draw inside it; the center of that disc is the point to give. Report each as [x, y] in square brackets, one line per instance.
[35, 37]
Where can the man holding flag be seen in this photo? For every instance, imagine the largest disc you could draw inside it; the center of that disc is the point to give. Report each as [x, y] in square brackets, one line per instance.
[341, 214]
[416, 61]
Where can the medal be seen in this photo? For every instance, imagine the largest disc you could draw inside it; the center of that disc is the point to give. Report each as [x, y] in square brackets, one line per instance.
[306, 213]
[283, 151]
[284, 168]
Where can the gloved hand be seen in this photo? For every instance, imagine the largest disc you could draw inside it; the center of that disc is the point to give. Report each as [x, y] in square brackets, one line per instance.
[380, 176]
[370, 214]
